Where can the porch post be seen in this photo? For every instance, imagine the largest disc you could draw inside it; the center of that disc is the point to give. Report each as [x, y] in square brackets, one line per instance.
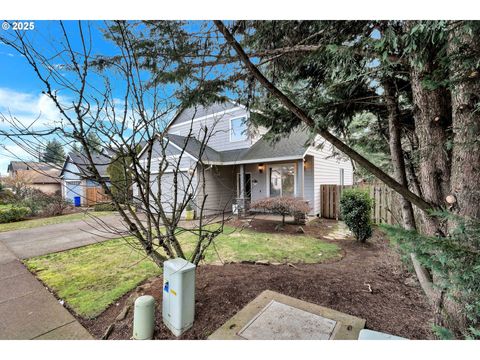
[241, 200]
[300, 178]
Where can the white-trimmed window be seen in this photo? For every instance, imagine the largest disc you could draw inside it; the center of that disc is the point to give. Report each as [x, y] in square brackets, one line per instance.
[238, 129]
[282, 180]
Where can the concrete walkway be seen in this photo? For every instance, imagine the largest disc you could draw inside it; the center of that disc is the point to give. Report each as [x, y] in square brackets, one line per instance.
[27, 309]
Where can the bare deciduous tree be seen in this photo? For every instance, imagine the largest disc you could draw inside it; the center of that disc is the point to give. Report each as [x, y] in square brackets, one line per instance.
[117, 110]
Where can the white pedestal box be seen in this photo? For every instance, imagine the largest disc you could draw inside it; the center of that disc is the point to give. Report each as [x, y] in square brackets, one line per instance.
[178, 308]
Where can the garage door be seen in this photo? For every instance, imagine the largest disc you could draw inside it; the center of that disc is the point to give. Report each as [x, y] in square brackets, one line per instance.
[73, 189]
[167, 197]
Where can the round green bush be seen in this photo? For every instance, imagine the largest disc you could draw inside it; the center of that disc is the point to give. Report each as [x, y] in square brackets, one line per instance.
[356, 208]
[13, 214]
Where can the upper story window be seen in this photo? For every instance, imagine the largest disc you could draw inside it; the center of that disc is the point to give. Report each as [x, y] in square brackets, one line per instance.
[238, 129]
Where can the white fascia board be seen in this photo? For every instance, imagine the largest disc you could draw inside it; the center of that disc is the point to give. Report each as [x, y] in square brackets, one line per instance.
[254, 161]
[171, 171]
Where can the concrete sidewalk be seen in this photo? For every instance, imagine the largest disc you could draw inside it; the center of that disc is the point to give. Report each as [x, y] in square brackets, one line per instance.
[27, 309]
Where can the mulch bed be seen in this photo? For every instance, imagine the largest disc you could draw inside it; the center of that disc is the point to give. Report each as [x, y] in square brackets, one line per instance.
[395, 305]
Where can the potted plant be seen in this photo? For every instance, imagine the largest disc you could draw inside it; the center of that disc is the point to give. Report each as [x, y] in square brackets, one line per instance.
[189, 212]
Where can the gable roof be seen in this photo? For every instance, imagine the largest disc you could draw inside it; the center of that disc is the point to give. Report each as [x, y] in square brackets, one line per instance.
[293, 146]
[30, 165]
[201, 111]
[80, 160]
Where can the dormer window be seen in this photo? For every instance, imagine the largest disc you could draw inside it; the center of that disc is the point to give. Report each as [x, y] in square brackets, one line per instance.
[238, 129]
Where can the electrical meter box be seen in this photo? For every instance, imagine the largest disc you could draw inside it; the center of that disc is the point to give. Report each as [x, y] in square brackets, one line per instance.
[178, 308]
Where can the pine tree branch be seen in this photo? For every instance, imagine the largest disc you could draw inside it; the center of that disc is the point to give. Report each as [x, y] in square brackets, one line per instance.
[299, 113]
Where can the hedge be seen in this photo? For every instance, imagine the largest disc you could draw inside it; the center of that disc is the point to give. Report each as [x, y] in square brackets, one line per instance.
[13, 214]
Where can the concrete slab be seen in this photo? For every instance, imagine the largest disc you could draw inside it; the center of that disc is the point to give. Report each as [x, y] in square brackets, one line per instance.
[347, 327]
[12, 268]
[6, 255]
[18, 286]
[278, 321]
[32, 315]
[71, 331]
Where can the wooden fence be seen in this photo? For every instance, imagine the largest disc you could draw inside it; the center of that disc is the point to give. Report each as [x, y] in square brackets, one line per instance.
[385, 207]
[96, 195]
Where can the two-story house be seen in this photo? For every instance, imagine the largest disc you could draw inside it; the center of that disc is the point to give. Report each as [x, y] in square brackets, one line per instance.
[240, 165]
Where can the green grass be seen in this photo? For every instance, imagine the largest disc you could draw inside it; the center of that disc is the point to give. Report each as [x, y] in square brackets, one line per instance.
[248, 245]
[28, 224]
[92, 277]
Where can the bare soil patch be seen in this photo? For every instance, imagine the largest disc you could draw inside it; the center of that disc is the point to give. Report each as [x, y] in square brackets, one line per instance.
[394, 305]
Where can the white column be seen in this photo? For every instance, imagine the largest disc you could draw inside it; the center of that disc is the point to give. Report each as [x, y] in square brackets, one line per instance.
[241, 201]
[300, 179]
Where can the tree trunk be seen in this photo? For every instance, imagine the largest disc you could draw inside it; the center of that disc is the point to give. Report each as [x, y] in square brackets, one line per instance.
[465, 182]
[433, 119]
[396, 151]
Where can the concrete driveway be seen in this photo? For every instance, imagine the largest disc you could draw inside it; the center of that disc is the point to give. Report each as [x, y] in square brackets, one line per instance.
[46, 239]
[27, 309]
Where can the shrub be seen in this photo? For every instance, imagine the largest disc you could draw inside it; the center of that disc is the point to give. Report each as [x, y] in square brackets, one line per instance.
[356, 207]
[104, 207]
[35, 200]
[57, 206]
[13, 214]
[43, 204]
[7, 197]
[282, 206]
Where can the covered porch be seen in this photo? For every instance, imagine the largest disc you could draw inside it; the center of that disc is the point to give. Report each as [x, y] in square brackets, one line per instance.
[288, 177]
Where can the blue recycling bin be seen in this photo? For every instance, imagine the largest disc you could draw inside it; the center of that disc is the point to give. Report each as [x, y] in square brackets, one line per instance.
[76, 201]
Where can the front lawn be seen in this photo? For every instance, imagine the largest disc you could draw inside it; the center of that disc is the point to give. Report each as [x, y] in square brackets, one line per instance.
[28, 224]
[92, 277]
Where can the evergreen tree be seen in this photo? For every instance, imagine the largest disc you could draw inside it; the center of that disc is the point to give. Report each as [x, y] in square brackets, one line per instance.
[94, 142]
[120, 178]
[53, 152]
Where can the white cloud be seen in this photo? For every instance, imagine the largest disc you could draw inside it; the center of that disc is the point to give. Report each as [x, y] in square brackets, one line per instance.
[12, 152]
[27, 107]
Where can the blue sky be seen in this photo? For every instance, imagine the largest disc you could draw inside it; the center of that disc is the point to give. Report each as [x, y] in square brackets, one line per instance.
[21, 90]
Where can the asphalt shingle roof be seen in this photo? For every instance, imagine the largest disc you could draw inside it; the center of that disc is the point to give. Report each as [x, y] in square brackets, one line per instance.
[294, 145]
[101, 163]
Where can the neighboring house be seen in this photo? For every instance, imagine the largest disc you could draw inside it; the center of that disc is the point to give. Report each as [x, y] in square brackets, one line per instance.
[293, 166]
[78, 182]
[39, 175]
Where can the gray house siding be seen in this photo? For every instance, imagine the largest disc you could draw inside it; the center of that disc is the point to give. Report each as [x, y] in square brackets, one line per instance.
[167, 197]
[220, 188]
[218, 128]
